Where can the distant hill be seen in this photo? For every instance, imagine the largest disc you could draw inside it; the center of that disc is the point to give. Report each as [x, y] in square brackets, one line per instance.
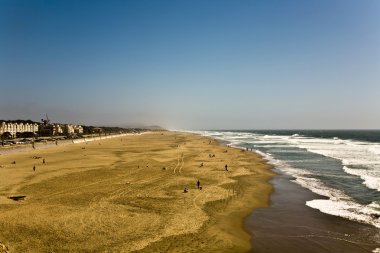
[155, 128]
[140, 126]
[110, 129]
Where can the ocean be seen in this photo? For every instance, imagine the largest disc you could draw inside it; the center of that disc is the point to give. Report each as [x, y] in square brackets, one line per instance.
[343, 166]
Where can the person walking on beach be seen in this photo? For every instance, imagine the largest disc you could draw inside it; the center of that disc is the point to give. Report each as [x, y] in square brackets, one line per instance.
[34, 168]
[226, 167]
[43, 160]
[198, 184]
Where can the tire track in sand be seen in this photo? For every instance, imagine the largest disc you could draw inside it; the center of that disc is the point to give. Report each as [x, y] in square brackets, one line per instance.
[182, 164]
[176, 165]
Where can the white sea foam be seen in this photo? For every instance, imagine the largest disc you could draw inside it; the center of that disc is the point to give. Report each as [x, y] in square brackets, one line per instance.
[319, 188]
[375, 149]
[363, 158]
[375, 205]
[265, 155]
[359, 158]
[338, 204]
[346, 209]
[369, 177]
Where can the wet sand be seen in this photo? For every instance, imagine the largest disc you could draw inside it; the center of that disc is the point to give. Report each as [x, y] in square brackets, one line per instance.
[288, 225]
[127, 195]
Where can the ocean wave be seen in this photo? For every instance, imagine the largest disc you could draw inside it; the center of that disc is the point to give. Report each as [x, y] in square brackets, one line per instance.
[296, 136]
[347, 209]
[337, 204]
[359, 158]
[316, 186]
[236, 143]
[265, 155]
[371, 181]
[350, 153]
[375, 149]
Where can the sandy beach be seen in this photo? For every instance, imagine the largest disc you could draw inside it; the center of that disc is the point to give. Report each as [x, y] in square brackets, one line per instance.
[126, 194]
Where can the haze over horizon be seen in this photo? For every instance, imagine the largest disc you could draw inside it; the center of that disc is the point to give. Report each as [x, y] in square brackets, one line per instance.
[192, 64]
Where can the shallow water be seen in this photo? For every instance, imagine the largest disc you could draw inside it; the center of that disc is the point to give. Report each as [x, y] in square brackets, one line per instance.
[327, 194]
[343, 166]
[288, 225]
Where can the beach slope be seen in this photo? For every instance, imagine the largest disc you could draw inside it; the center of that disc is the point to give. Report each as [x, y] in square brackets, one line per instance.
[126, 194]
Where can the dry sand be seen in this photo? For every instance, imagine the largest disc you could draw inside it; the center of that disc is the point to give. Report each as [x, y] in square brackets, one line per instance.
[114, 195]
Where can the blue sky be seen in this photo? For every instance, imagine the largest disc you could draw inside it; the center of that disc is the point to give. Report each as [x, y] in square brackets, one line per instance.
[192, 64]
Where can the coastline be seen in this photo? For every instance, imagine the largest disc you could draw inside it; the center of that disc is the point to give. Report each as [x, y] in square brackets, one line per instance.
[288, 224]
[291, 224]
[130, 191]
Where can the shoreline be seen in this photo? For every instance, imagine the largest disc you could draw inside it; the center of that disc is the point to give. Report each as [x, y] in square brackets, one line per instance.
[280, 223]
[291, 223]
[133, 185]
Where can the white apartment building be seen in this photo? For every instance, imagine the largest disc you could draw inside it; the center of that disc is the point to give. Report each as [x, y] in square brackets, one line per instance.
[72, 129]
[14, 128]
[55, 129]
[78, 129]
